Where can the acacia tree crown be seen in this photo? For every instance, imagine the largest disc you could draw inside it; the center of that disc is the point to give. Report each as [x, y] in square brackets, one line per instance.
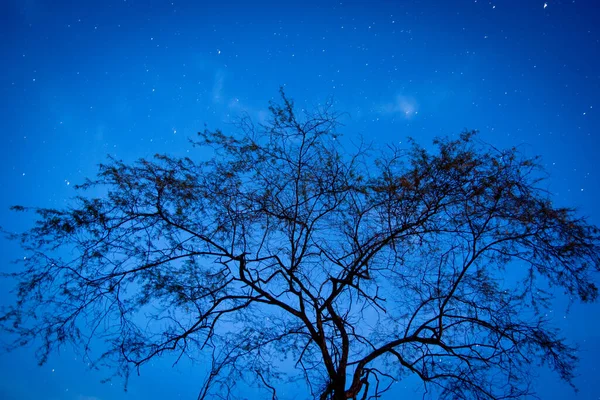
[359, 268]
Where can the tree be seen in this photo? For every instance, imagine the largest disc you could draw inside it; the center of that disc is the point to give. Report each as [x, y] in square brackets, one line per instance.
[359, 268]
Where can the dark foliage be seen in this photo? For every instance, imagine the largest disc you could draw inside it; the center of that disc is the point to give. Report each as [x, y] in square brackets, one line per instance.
[359, 269]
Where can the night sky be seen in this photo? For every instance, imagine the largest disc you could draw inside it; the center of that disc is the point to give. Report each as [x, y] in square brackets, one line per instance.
[81, 80]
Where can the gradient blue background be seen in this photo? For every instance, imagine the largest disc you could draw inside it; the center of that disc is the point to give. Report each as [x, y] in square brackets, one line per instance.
[83, 79]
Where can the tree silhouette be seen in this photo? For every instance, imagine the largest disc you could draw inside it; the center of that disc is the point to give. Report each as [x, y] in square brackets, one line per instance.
[359, 267]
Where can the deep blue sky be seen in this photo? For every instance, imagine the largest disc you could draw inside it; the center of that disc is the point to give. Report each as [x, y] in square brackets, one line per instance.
[83, 79]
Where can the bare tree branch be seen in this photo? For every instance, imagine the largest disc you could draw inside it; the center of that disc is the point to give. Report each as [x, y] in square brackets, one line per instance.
[358, 268]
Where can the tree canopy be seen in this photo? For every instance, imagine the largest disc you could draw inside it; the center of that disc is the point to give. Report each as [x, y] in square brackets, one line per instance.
[359, 267]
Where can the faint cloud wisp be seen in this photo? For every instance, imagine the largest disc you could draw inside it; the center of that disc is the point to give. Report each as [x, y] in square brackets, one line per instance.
[217, 90]
[404, 106]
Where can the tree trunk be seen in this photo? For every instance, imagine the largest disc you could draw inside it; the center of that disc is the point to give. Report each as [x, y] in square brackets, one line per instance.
[339, 389]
